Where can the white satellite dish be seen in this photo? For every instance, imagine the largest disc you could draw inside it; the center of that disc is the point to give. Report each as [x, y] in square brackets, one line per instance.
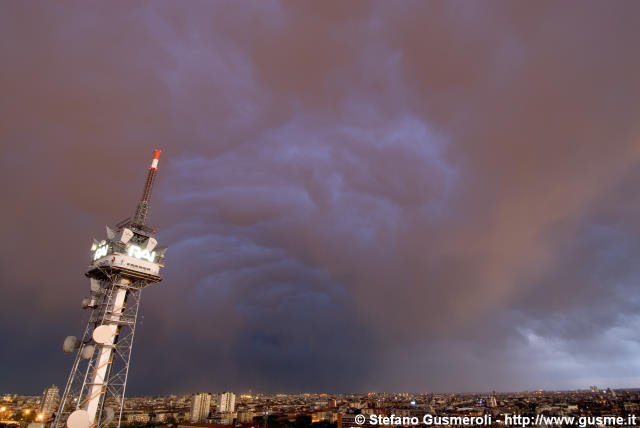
[160, 251]
[95, 285]
[71, 343]
[151, 244]
[111, 234]
[103, 334]
[78, 419]
[87, 352]
[126, 235]
[108, 414]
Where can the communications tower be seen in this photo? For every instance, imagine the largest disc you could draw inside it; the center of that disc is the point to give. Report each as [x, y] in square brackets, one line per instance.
[121, 266]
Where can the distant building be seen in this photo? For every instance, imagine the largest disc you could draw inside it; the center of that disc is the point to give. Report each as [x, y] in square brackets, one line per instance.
[199, 425]
[227, 418]
[246, 417]
[324, 415]
[227, 402]
[164, 416]
[200, 405]
[331, 403]
[49, 401]
[347, 421]
[492, 402]
[401, 412]
[138, 417]
[213, 425]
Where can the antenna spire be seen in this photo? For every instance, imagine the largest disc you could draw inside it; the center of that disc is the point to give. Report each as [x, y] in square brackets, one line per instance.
[140, 219]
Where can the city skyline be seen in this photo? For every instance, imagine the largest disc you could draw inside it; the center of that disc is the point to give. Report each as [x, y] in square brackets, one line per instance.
[539, 408]
[251, 393]
[362, 196]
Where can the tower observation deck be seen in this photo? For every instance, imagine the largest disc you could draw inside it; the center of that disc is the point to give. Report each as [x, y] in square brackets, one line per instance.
[124, 263]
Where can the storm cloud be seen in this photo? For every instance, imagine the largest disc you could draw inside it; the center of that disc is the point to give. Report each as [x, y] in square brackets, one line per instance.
[391, 196]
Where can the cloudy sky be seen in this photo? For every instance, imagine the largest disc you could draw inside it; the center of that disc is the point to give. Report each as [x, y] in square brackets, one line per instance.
[390, 196]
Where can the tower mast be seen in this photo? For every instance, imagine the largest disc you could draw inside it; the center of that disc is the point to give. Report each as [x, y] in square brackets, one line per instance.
[122, 265]
[140, 219]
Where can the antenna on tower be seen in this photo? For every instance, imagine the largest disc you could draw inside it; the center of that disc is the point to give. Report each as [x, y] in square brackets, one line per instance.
[140, 219]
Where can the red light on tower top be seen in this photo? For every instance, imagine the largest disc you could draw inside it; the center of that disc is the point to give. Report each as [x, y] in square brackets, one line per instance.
[156, 156]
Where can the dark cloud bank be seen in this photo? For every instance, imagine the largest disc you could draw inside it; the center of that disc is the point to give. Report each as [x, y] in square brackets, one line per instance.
[428, 196]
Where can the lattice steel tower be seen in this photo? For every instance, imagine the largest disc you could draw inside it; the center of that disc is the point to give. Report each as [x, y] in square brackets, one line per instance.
[121, 266]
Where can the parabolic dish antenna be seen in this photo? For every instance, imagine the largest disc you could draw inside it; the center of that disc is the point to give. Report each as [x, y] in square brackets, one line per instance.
[109, 414]
[71, 343]
[78, 419]
[103, 334]
[87, 352]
